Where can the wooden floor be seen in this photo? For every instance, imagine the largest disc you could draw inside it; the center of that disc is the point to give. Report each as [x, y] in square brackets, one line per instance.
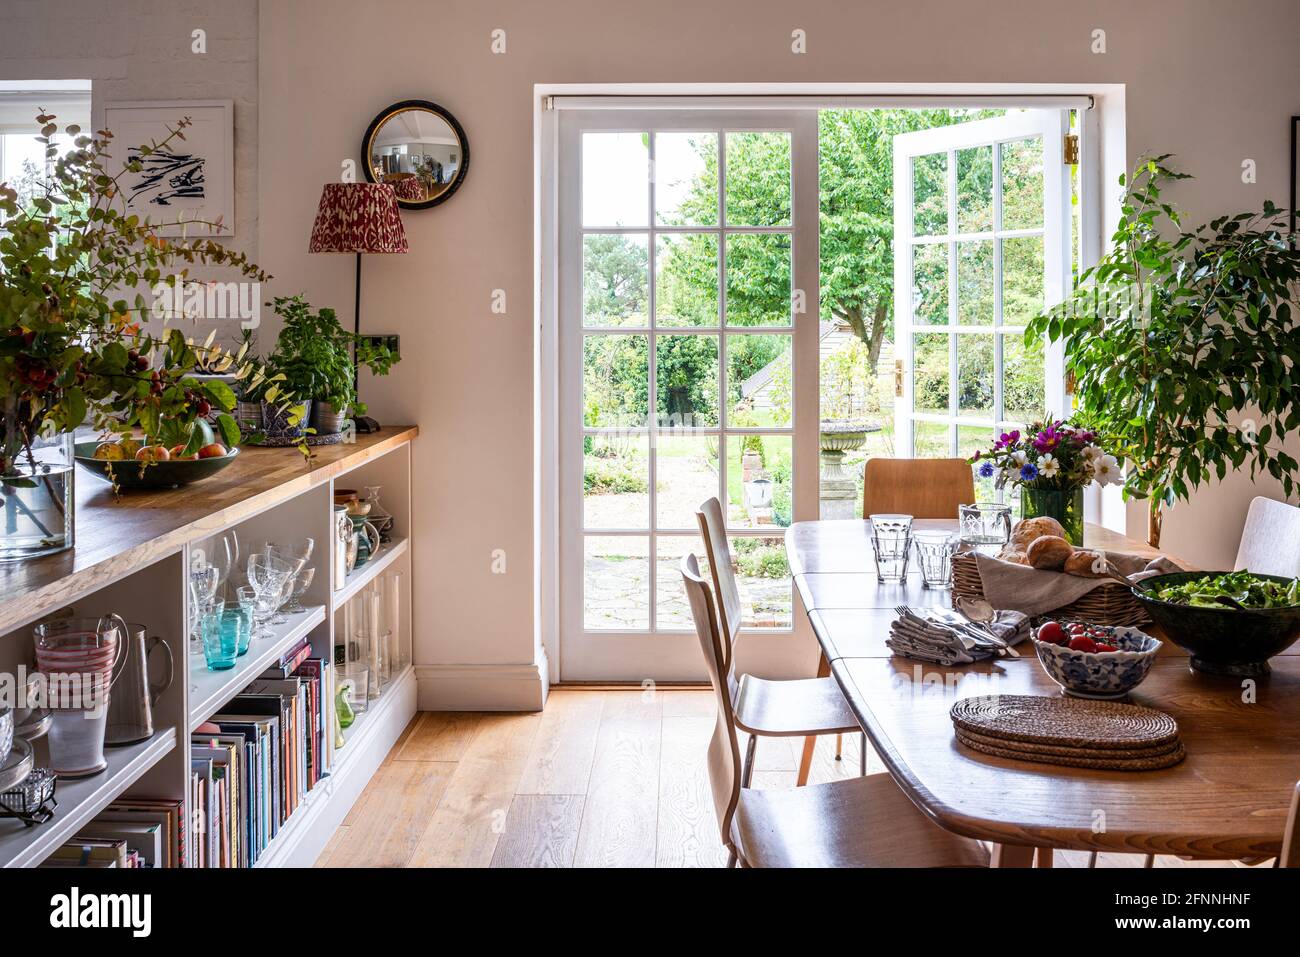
[600, 779]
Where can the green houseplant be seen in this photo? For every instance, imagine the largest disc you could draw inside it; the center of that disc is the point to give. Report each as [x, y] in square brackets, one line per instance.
[69, 350]
[1184, 346]
[317, 359]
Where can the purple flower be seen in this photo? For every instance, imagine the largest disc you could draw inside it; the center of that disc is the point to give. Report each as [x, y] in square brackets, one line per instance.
[986, 469]
[1028, 472]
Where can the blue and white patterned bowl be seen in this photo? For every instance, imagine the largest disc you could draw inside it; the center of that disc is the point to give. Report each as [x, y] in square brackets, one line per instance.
[1108, 674]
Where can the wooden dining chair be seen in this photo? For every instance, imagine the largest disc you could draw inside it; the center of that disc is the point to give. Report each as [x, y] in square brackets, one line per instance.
[1290, 855]
[856, 822]
[1270, 542]
[922, 488]
[796, 707]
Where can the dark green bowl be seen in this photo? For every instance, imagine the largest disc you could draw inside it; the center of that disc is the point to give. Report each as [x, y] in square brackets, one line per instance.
[131, 474]
[1222, 641]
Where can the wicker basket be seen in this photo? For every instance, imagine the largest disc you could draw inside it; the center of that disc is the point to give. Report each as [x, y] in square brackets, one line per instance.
[1108, 604]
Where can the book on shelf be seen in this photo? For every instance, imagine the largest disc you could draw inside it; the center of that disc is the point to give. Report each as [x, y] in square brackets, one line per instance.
[145, 840]
[168, 815]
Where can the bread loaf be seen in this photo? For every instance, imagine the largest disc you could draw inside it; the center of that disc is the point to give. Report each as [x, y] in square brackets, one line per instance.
[1029, 529]
[1049, 552]
[1085, 564]
[1013, 555]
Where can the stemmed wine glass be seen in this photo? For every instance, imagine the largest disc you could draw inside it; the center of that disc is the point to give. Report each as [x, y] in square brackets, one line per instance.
[283, 555]
[204, 580]
[268, 577]
[297, 555]
[300, 585]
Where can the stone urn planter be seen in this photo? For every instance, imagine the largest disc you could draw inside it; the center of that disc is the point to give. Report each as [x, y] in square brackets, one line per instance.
[839, 488]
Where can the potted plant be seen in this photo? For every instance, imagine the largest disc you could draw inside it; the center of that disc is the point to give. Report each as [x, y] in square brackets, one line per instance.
[1051, 463]
[318, 359]
[1183, 344]
[69, 351]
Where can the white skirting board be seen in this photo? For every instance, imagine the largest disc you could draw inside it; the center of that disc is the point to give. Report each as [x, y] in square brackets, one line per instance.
[310, 827]
[483, 687]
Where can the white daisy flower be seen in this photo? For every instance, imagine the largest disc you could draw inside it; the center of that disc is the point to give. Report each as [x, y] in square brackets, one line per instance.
[1091, 452]
[1048, 466]
[1106, 470]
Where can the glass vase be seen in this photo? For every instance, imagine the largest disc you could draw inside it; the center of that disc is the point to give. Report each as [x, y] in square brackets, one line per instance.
[36, 492]
[1066, 506]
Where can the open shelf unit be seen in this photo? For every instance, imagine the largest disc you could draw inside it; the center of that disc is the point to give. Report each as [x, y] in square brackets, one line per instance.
[151, 591]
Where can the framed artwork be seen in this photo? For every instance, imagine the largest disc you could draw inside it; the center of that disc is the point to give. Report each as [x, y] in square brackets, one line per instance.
[1295, 173]
[190, 179]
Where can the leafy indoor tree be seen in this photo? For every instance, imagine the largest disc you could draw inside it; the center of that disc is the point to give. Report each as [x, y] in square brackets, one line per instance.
[1184, 345]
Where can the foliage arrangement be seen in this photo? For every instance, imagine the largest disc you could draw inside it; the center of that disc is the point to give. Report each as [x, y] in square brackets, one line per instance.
[1049, 455]
[314, 355]
[67, 348]
[1184, 346]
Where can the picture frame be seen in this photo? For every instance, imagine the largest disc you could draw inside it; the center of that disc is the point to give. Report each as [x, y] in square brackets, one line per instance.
[194, 181]
[1295, 175]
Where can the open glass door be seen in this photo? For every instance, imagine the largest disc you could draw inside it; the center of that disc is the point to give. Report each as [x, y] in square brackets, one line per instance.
[684, 239]
[982, 241]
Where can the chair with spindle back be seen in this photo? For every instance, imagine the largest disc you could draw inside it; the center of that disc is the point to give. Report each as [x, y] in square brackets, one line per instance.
[856, 822]
[798, 707]
[1270, 542]
[922, 488]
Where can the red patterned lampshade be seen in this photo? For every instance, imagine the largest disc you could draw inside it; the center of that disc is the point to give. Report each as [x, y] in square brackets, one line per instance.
[358, 218]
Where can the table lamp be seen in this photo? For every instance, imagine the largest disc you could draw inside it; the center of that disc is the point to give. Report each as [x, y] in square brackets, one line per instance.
[358, 218]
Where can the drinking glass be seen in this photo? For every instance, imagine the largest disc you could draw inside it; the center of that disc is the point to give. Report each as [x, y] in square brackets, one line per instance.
[268, 577]
[239, 615]
[891, 540]
[203, 581]
[934, 551]
[301, 582]
[220, 643]
[294, 565]
[985, 523]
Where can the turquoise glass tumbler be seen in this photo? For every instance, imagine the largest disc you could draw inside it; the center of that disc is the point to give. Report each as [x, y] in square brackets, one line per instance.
[220, 641]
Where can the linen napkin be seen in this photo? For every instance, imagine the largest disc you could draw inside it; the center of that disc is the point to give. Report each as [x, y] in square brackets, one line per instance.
[1035, 591]
[945, 638]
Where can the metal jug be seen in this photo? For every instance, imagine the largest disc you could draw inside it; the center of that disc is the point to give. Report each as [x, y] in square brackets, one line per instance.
[130, 709]
[345, 546]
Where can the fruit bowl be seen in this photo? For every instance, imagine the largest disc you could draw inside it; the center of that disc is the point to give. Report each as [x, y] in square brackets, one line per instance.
[1221, 641]
[1100, 674]
[132, 474]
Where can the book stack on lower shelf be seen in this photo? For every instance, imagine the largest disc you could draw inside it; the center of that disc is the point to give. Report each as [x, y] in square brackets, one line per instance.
[128, 833]
[254, 762]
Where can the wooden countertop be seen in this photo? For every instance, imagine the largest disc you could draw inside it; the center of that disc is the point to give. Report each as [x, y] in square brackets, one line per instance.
[115, 537]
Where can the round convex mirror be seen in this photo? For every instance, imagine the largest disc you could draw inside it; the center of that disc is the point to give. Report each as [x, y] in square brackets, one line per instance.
[419, 149]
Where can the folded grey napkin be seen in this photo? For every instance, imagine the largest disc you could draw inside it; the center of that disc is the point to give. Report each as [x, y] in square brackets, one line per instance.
[944, 637]
[1036, 592]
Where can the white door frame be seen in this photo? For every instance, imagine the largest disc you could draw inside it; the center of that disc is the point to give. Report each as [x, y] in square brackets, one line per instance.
[1101, 163]
[671, 654]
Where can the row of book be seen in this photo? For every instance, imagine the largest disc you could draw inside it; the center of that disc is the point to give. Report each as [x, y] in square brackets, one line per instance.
[251, 766]
[253, 763]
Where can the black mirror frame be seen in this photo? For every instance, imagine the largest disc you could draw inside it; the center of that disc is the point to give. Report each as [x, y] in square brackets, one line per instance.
[432, 107]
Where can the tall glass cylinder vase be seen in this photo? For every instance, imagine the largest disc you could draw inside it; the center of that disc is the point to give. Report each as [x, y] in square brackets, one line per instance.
[1066, 506]
[36, 489]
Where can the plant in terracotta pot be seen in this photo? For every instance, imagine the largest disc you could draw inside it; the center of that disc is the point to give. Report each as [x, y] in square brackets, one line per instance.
[1184, 344]
[70, 350]
[318, 360]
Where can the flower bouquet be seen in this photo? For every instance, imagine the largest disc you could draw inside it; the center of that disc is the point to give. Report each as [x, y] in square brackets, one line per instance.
[1050, 462]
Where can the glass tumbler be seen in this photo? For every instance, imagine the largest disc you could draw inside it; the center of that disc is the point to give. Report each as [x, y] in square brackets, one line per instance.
[891, 540]
[220, 642]
[934, 551]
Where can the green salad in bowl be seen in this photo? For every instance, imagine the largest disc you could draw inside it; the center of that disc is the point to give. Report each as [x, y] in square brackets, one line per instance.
[1247, 590]
[1230, 622]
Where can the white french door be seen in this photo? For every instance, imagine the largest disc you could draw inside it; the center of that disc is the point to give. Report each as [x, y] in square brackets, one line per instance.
[981, 242]
[688, 364]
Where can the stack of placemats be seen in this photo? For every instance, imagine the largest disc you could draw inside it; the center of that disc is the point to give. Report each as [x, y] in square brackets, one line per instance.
[1075, 732]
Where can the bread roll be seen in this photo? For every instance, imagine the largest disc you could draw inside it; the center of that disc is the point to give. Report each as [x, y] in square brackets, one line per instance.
[1085, 564]
[1029, 529]
[1013, 555]
[1050, 552]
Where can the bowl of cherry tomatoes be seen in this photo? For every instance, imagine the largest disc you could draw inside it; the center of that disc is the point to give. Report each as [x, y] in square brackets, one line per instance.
[1094, 661]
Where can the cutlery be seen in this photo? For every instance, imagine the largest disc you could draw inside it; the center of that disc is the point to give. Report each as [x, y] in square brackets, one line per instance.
[980, 612]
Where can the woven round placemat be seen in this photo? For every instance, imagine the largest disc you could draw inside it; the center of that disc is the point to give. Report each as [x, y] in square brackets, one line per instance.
[1028, 748]
[1064, 722]
[1073, 761]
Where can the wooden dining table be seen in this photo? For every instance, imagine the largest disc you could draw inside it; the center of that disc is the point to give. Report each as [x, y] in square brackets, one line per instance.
[1228, 799]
